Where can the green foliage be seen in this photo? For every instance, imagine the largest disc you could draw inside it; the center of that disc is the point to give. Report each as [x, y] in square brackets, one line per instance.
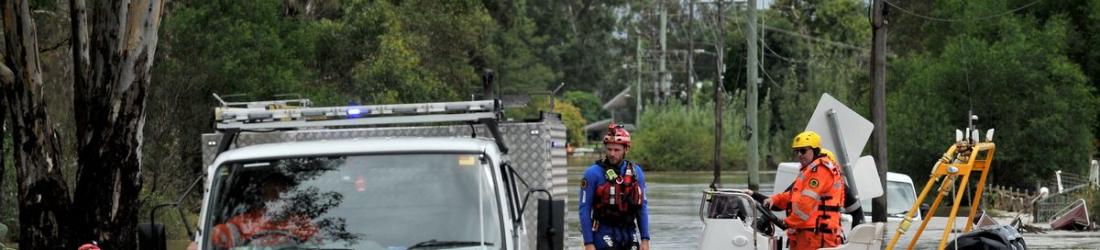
[395, 72]
[574, 122]
[247, 46]
[522, 68]
[1018, 80]
[1083, 17]
[570, 115]
[576, 39]
[796, 70]
[1031, 74]
[427, 51]
[456, 38]
[816, 47]
[835, 20]
[678, 137]
[358, 51]
[588, 103]
[223, 47]
[404, 51]
[232, 47]
[1092, 199]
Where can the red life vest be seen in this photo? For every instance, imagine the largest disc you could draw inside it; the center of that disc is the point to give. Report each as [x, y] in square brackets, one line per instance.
[619, 198]
[243, 227]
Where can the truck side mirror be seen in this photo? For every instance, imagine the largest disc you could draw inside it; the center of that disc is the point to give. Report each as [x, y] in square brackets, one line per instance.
[924, 207]
[151, 236]
[551, 220]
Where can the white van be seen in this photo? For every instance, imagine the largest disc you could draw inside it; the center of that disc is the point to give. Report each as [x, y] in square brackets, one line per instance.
[900, 196]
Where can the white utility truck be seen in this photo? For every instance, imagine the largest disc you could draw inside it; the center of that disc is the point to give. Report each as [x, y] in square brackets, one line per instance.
[284, 175]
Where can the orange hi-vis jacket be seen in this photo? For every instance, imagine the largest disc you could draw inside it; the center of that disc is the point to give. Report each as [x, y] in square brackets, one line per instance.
[813, 205]
[241, 228]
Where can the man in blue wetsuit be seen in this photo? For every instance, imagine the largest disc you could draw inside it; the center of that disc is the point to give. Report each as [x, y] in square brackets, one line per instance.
[612, 205]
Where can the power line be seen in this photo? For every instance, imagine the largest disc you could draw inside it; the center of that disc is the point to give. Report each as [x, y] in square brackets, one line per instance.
[781, 57]
[820, 40]
[708, 26]
[956, 20]
[769, 76]
[806, 37]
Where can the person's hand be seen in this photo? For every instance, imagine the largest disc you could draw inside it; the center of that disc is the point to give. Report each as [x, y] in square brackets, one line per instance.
[768, 203]
[589, 247]
[645, 245]
[193, 246]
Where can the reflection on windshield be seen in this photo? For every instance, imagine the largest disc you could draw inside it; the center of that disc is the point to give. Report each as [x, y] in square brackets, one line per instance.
[899, 199]
[356, 202]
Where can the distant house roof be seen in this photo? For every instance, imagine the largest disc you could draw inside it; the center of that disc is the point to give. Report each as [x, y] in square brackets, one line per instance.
[601, 125]
[621, 100]
[515, 101]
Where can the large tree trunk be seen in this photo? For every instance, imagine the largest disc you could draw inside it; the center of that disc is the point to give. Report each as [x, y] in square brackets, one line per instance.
[111, 75]
[5, 74]
[43, 194]
[112, 71]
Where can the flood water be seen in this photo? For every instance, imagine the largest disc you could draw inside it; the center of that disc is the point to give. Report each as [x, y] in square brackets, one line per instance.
[673, 205]
[674, 213]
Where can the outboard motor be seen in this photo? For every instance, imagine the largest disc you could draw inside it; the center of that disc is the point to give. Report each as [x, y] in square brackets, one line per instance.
[996, 237]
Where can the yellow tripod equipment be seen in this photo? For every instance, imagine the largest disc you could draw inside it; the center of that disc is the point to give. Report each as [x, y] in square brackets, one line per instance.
[960, 161]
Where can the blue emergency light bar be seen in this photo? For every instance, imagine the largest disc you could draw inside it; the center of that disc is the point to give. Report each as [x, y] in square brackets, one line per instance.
[275, 117]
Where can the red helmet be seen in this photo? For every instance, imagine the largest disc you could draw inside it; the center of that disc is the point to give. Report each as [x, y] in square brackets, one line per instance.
[617, 134]
[90, 246]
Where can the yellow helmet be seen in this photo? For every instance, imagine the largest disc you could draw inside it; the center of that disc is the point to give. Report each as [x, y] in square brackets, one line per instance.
[829, 154]
[806, 139]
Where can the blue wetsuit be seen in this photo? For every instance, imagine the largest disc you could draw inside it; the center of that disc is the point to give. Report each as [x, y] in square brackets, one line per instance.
[606, 236]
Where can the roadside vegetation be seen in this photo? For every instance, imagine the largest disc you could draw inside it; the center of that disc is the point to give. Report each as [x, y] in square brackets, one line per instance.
[1033, 73]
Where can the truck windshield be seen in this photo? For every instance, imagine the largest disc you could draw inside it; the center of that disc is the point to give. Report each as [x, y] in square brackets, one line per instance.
[420, 201]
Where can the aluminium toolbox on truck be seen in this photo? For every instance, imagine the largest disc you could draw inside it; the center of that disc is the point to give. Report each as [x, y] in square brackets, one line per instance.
[536, 148]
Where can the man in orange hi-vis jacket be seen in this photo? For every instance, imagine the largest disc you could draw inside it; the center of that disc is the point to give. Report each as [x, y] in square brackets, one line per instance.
[260, 226]
[814, 201]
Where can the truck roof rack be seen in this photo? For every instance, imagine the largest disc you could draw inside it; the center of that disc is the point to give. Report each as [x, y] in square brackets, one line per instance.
[280, 115]
[298, 102]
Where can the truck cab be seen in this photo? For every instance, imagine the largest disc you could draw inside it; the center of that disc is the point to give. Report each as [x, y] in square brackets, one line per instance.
[407, 193]
[336, 181]
[900, 196]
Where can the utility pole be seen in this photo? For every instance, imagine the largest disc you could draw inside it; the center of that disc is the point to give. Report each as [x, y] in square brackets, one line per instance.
[638, 86]
[751, 83]
[488, 91]
[662, 70]
[718, 101]
[690, 88]
[878, 103]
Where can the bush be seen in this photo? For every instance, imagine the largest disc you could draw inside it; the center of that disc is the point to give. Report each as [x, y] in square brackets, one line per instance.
[570, 115]
[1023, 84]
[589, 104]
[678, 137]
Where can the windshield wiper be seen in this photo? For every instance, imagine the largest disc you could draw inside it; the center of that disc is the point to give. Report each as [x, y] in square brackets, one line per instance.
[435, 243]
